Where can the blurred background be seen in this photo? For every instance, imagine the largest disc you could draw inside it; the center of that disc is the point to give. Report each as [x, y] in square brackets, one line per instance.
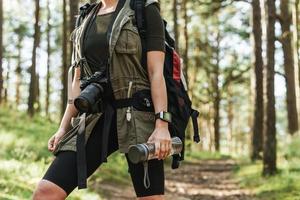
[242, 61]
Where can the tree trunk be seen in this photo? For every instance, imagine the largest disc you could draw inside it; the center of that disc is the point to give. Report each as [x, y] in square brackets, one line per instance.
[297, 20]
[269, 158]
[64, 95]
[7, 77]
[286, 40]
[73, 12]
[230, 117]
[257, 137]
[296, 41]
[48, 60]
[33, 77]
[1, 49]
[175, 19]
[217, 101]
[186, 38]
[38, 103]
[217, 92]
[18, 70]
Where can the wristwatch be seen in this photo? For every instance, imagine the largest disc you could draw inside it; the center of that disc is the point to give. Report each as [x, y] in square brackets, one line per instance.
[165, 116]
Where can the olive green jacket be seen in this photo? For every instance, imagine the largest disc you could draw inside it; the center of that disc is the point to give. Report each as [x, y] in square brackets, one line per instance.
[127, 76]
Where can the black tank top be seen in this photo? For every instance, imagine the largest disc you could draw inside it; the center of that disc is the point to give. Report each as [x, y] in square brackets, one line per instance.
[95, 47]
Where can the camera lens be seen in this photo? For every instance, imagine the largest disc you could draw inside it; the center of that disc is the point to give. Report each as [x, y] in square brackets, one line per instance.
[82, 103]
[88, 98]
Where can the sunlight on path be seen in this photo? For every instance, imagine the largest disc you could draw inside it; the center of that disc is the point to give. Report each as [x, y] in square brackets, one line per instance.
[201, 180]
[205, 180]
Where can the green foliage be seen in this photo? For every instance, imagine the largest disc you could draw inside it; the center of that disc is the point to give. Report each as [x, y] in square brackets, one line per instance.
[285, 185]
[205, 155]
[24, 157]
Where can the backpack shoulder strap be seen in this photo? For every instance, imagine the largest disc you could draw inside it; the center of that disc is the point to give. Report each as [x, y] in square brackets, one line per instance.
[148, 2]
[139, 7]
[84, 11]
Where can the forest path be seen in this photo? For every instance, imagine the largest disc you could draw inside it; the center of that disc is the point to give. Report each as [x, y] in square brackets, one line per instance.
[200, 180]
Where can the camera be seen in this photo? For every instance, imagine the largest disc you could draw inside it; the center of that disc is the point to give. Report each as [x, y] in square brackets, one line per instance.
[92, 92]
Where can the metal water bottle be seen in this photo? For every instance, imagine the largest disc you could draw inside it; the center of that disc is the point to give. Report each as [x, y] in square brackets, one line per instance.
[146, 151]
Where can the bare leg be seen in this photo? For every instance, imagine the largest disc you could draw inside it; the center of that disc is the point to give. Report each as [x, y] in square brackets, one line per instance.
[47, 190]
[154, 197]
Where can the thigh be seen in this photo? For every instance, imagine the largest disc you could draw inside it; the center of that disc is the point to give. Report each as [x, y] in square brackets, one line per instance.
[156, 176]
[63, 169]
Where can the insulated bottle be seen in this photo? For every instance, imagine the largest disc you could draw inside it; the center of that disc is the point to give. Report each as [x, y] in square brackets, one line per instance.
[146, 151]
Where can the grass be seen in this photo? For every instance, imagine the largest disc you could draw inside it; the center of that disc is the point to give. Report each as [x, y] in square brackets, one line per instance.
[204, 155]
[24, 157]
[285, 185]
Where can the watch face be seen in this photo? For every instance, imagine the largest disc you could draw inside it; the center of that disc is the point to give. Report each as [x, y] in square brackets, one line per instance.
[166, 116]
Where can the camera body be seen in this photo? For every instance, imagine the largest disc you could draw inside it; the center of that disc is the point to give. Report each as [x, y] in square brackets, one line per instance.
[92, 93]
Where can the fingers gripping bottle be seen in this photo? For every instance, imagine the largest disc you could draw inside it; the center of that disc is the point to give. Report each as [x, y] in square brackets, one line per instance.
[146, 151]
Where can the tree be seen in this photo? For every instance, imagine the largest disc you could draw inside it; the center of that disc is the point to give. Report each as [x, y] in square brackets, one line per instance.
[73, 12]
[48, 60]
[33, 76]
[186, 37]
[269, 148]
[257, 136]
[64, 79]
[175, 18]
[286, 40]
[297, 35]
[217, 93]
[21, 32]
[1, 48]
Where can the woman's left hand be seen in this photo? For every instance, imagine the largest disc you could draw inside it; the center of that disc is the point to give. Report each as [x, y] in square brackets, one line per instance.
[162, 140]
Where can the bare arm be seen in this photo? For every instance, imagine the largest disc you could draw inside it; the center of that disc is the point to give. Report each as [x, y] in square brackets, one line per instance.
[160, 136]
[70, 112]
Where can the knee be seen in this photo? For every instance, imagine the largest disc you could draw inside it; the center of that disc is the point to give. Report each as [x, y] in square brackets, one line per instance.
[155, 197]
[46, 190]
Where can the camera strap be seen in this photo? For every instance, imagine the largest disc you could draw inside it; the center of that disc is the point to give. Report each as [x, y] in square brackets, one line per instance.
[81, 158]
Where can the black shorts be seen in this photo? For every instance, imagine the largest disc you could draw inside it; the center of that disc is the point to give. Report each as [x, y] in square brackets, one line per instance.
[63, 170]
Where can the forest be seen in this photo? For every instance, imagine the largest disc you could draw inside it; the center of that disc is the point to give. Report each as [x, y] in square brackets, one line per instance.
[241, 59]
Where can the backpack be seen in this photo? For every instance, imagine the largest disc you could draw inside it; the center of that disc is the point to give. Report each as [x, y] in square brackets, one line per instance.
[179, 103]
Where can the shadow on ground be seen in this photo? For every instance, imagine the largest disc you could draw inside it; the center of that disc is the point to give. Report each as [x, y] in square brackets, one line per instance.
[201, 180]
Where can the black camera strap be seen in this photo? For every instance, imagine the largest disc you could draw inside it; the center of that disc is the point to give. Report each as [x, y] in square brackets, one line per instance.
[108, 111]
[81, 158]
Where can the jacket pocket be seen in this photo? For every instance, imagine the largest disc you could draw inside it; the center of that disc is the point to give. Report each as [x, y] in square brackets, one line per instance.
[135, 131]
[128, 40]
[144, 122]
[68, 140]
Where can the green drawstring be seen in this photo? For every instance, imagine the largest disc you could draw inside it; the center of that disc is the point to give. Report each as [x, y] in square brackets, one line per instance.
[146, 175]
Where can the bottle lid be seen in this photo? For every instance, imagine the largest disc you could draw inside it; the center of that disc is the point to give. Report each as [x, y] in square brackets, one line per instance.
[137, 153]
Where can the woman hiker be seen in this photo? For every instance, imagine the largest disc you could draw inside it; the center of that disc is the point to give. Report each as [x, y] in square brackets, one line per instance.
[112, 46]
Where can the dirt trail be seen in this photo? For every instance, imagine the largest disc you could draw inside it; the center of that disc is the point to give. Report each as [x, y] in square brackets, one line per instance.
[201, 180]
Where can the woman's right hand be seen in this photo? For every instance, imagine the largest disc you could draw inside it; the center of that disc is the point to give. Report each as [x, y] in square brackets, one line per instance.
[53, 141]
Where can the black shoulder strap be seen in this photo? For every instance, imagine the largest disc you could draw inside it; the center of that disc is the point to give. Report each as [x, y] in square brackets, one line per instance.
[139, 7]
[84, 11]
